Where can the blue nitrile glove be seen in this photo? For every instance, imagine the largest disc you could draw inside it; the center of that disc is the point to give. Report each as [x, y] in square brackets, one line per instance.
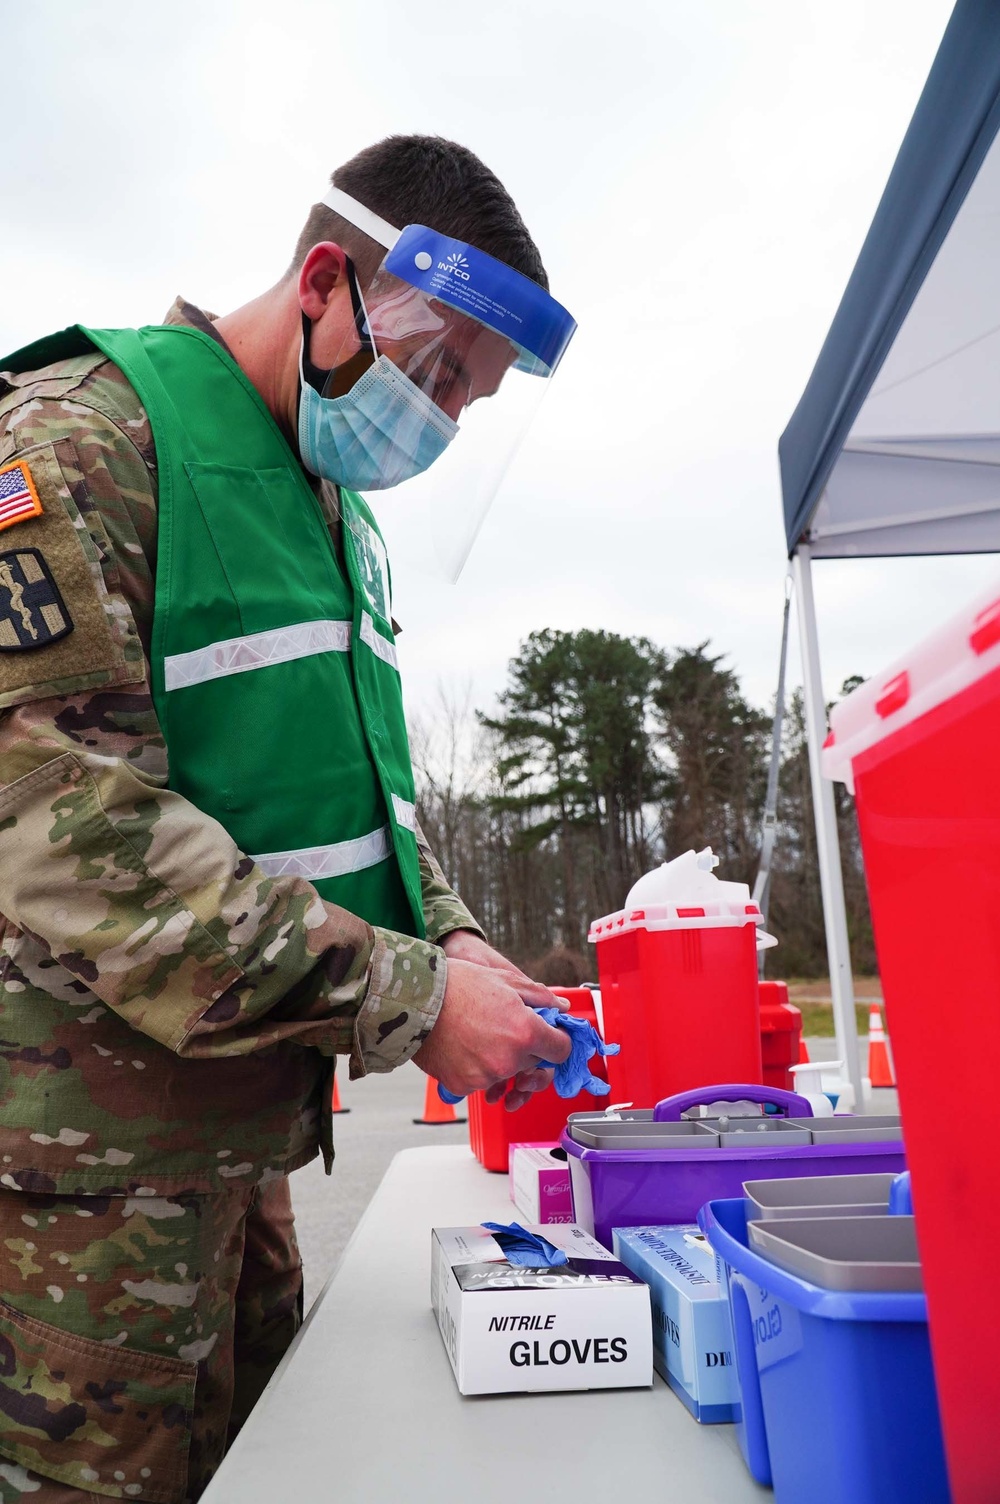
[523, 1247]
[573, 1074]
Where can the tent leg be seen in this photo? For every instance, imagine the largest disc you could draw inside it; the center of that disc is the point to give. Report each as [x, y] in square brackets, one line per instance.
[828, 847]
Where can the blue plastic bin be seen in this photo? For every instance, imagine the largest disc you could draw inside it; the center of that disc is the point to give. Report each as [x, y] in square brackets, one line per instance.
[837, 1396]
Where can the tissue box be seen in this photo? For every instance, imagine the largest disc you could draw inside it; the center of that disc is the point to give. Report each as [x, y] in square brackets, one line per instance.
[539, 1183]
[581, 1325]
[692, 1334]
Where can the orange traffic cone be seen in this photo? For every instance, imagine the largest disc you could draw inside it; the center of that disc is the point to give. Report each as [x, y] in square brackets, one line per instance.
[336, 1098]
[436, 1111]
[879, 1063]
[804, 1058]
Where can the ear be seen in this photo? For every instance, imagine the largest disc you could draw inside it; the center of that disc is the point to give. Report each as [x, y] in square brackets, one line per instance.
[323, 272]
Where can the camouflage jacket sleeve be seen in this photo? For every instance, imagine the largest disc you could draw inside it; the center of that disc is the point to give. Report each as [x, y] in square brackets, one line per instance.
[444, 911]
[133, 891]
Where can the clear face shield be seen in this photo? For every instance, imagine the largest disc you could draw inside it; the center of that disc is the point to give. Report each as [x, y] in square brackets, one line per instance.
[437, 383]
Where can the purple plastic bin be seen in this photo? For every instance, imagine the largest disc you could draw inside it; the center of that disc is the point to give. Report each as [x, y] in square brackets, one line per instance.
[659, 1187]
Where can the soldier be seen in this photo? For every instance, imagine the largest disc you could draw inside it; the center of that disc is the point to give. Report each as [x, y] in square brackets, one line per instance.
[212, 880]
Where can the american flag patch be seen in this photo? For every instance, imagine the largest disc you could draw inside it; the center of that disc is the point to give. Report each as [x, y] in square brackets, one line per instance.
[18, 497]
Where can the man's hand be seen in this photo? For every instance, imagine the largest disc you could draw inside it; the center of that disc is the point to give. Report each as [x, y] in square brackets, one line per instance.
[485, 1035]
[463, 945]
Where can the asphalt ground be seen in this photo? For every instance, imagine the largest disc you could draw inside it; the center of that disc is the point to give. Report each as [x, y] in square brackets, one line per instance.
[378, 1125]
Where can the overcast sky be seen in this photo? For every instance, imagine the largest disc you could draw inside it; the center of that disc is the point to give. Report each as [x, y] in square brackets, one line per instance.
[699, 178]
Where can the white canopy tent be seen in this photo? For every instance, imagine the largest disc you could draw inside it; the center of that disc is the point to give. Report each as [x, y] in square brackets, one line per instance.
[919, 472]
[894, 448]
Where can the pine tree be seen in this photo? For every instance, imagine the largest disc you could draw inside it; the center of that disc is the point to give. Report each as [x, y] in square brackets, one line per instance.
[575, 762]
[717, 747]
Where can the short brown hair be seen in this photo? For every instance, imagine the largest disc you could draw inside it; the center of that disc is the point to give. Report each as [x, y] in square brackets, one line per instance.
[424, 180]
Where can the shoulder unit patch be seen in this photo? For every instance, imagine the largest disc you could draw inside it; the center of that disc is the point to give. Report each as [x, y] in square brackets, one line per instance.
[32, 612]
[18, 497]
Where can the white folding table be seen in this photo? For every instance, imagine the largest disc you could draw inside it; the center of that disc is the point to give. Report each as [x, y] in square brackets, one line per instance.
[364, 1408]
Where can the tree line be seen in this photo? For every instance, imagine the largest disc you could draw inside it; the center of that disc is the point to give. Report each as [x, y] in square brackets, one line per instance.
[604, 756]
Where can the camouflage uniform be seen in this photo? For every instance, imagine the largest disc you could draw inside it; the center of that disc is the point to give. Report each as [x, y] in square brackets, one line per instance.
[123, 1318]
[158, 994]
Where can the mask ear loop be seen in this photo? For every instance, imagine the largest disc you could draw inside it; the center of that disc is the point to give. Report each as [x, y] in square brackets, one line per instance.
[315, 376]
[309, 375]
[361, 320]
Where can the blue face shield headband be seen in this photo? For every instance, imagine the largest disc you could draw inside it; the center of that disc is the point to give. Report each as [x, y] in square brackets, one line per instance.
[440, 325]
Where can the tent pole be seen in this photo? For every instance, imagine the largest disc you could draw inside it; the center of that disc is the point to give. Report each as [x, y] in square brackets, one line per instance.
[769, 824]
[827, 844]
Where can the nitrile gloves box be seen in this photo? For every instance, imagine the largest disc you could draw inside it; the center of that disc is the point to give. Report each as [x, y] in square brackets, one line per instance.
[581, 1325]
[539, 1183]
[692, 1333]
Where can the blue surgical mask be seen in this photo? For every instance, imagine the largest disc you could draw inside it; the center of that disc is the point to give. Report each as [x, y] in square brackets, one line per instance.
[380, 433]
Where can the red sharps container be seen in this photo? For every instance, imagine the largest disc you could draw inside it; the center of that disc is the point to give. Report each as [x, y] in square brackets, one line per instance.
[920, 746]
[678, 974]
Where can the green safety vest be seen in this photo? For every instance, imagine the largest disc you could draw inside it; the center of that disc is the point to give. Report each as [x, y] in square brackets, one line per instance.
[274, 670]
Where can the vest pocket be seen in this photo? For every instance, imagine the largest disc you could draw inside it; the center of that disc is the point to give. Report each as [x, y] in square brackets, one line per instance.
[108, 1420]
[271, 545]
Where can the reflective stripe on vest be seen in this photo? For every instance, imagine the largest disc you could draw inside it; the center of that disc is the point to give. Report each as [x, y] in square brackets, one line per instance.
[238, 655]
[317, 862]
[405, 812]
[275, 675]
[378, 644]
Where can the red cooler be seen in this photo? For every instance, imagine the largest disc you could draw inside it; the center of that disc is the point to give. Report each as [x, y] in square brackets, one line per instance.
[679, 983]
[920, 746]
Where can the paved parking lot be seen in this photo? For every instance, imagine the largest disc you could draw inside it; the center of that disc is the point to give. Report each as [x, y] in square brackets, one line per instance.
[379, 1124]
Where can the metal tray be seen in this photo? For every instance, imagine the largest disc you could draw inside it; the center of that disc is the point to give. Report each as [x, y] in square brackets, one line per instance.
[607, 1134]
[818, 1196]
[857, 1130]
[625, 1115]
[843, 1253]
[745, 1133]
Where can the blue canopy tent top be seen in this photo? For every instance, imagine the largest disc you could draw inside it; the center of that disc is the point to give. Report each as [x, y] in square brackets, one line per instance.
[894, 447]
